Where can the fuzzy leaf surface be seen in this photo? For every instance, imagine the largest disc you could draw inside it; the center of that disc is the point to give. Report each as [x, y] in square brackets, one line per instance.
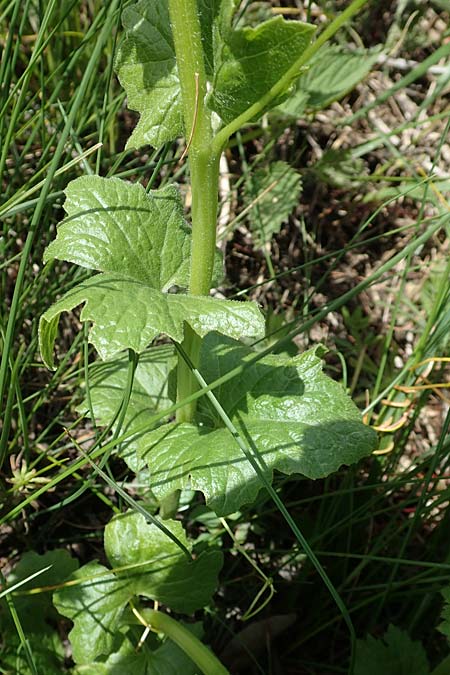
[274, 192]
[160, 570]
[252, 62]
[141, 245]
[128, 314]
[294, 416]
[395, 654]
[115, 226]
[147, 70]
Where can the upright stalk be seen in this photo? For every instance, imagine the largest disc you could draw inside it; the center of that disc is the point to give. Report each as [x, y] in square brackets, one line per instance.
[204, 172]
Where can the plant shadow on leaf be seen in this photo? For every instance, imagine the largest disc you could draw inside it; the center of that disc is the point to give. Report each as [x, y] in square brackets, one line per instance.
[294, 418]
[216, 466]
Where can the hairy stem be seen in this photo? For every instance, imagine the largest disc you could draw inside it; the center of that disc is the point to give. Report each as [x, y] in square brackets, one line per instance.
[204, 171]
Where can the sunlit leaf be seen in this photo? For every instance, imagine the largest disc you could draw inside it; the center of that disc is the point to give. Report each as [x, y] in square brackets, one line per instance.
[145, 563]
[253, 61]
[294, 417]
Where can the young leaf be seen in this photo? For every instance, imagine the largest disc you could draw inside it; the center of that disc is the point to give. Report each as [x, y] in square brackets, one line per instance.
[297, 419]
[253, 61]
[158, 568]
[147, 70]
[395, 654]
[128, 314]
[274, 192]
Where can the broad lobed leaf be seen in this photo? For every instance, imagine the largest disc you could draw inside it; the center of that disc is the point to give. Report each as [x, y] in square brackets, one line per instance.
[253, 60]
[147, 70]
[128, 314]
[158, 568]
[141, 244]
[115, 226]
[294, 417]
[95, 605]
[145, 562]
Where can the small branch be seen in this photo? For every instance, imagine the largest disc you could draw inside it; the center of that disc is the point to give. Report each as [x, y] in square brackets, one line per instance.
[290, 75]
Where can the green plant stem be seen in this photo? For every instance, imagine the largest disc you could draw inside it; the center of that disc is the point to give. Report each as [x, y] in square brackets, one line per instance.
[204, 156]
[204, 171]
[196, 650]
[284, 82]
